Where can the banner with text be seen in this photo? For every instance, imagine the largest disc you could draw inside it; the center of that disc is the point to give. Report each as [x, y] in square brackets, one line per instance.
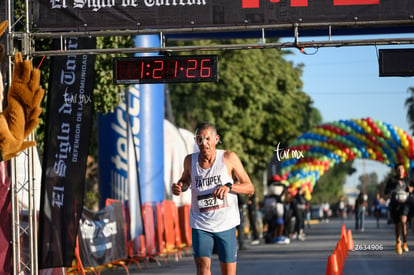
[119, 147]
[102, 235]
[80, 15]
[68, 126]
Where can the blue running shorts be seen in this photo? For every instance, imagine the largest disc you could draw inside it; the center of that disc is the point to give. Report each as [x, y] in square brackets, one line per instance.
[226, 244]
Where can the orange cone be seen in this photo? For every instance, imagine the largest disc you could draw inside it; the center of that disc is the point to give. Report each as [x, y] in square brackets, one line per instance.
[329, 267]
[343, 233]
[332, 265]
[340, 256]
[344, 247]
[335, 266]
[350, 244]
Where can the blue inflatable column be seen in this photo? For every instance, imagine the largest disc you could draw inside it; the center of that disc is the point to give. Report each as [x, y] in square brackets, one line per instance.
[151, 132]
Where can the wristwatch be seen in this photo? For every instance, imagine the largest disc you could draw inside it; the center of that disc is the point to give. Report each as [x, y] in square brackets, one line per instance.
[229, 185]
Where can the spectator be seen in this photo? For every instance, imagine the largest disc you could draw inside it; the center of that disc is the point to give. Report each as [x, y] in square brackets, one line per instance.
[241, 226]
[274, 212]
[341, 208]
[360, 208]
[377, 208]
[299, 212]
[253, 220]
[325, 211]
[408, 210]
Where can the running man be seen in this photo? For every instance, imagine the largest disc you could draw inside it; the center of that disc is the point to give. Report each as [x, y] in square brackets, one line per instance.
[214, 177]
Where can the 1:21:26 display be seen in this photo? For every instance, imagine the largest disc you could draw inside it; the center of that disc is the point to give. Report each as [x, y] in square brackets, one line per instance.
[165, 69]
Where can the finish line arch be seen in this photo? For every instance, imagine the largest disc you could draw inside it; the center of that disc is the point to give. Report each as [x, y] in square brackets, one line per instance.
[314, 152]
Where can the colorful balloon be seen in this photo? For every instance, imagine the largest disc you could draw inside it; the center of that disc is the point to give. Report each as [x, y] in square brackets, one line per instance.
[340, 141]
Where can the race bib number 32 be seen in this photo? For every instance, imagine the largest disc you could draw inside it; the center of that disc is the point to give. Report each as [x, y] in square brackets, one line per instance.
[209, 202]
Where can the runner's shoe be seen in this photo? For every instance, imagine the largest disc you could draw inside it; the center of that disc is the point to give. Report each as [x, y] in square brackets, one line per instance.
[398, 248]
[405, 247]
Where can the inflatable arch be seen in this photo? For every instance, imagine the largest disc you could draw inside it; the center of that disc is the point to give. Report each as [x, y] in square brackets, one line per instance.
[314, 152]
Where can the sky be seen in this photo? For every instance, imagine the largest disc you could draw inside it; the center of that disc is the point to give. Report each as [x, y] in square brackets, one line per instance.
[344, 83]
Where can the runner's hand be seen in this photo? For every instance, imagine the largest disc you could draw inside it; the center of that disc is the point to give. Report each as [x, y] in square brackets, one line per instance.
[177, 188]
[221, 191]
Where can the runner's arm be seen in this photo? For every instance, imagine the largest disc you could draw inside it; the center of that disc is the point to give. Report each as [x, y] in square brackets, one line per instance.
[184, 182]
[244, 184]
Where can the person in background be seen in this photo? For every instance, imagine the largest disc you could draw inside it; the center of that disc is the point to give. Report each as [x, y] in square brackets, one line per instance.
[289, 216]
[215, 177]
[274, 211]
[325, 211]
[252, 214]
[241, 226]
[408, 210]
[377, 208]
[341, 208]
[308, 215]
[397, 190]
[360, 208]
[299, 205]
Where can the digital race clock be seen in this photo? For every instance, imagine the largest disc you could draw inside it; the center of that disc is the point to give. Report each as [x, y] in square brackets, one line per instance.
[165, 69]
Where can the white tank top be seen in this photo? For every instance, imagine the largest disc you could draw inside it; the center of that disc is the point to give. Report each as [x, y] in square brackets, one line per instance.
[209, 213]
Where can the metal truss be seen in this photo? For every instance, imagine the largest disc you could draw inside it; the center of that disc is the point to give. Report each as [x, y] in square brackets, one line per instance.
[24, 219]
[216, 34]
[24, 214]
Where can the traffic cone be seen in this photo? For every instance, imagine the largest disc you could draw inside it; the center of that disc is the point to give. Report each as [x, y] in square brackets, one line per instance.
[344, 247]
[340, 255]
[350, 243]
[343, 232]
[329, 267]
[335, 265]
[332, 265]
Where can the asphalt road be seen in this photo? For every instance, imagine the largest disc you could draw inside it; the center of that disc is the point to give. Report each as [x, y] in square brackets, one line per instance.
[374, 253]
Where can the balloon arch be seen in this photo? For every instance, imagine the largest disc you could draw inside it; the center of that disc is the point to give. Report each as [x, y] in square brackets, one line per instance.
[314, 152]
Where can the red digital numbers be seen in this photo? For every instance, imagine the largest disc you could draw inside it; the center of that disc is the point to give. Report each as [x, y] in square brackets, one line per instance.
[172, 66]
[157, 71]
[199, 68]
[161, 69]
[191, 68]
[205, 69]
[249, 4]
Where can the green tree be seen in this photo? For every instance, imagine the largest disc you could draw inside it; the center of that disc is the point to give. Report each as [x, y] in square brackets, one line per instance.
[329, 187]
[369, 185]
[257, 103]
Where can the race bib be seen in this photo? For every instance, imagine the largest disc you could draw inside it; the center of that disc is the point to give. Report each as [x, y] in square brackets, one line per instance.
[401, 196]
[209, 202]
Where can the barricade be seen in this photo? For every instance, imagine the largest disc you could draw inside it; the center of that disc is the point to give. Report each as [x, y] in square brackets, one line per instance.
[166, 231]
[184, 217]
[173, 244]
[100, 242]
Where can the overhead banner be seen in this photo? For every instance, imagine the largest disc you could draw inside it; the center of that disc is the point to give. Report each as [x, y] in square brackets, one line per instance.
[68, 125]
[102, 236]
[81, 15]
